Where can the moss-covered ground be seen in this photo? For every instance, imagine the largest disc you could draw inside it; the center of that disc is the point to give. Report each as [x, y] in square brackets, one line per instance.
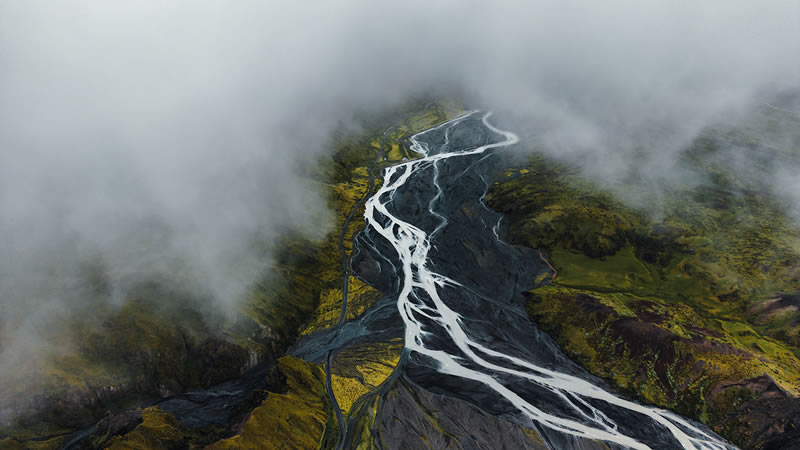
[679, 304]
[360, 369]
[158, 429]
[158, 342]
[295, 418]
[691, 305]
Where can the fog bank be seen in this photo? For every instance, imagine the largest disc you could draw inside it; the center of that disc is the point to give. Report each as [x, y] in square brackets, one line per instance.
[156, 138]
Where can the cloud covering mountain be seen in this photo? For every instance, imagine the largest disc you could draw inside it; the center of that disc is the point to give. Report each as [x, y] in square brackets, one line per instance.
[145, 136]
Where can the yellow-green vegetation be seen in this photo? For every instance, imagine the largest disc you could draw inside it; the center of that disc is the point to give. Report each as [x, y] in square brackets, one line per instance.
[293, 415]
[295, 418]
[46, 444]
[360, 369]
[155, 344]
[672, 305]
[359, 297]
[314, 290]
[365, 422]
[159, 342]
[157, 430]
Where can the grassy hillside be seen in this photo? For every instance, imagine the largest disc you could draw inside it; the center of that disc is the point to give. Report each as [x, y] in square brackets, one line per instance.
[690, 305]
[159, 343]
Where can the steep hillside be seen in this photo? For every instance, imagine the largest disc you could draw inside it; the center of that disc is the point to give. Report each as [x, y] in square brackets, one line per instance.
[689, 304]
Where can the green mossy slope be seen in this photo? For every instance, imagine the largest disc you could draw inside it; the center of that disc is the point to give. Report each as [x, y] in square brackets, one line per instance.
[676, 305]
[159, 342]
[295, 418]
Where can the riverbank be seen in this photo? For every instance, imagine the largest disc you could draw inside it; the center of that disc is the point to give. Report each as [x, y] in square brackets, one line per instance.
[179, 349]
[683, 308]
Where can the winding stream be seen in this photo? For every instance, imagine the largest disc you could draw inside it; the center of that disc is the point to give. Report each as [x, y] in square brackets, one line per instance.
[466, 333]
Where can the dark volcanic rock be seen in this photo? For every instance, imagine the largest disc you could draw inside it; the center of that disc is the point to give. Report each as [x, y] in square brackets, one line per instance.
[771, 420]
[413, 418]
[482, 281]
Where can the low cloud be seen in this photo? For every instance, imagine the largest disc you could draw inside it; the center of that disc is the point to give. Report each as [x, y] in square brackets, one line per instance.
[154, 137]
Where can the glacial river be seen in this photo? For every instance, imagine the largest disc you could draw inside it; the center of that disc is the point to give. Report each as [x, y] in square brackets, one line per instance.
[466, 332]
